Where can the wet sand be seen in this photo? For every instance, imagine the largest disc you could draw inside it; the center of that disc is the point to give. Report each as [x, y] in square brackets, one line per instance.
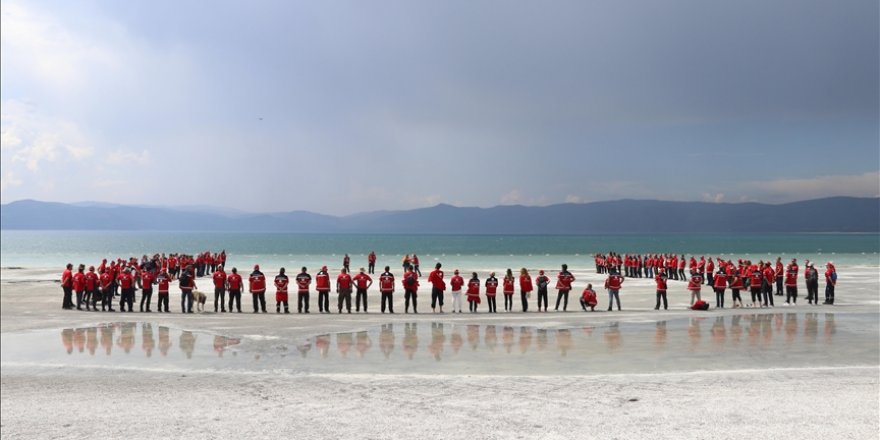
[788, 372]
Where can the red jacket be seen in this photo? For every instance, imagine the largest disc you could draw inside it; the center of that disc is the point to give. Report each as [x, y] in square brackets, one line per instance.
[695, 283]
[473, 291]
[163, 280]
[661, 283]
[589, 297]
[386, 282]
[322, 282]
[67, 278]
[220, 279]
[491, 286]
[613, 282]
[257, 282]
[362, 280]
[436, 279]
[147, 278]
[91, 281]
[79, 282]
[456, 282]
[343, 281]
[234, 281]
[508, 286]
[564, 280]
[525, 283]
[303, 280]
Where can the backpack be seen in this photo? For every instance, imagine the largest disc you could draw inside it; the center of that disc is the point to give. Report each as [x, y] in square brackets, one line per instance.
[185, 279]
[410, 281]
[700, 305]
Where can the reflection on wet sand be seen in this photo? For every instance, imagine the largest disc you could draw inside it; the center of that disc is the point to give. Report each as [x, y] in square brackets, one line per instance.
[696, 335]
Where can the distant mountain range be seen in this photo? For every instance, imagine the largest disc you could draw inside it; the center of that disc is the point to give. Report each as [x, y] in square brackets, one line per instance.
[835, 214]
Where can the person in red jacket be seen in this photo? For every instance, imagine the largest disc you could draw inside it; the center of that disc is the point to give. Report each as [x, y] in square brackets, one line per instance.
[257, 287]
[473, 293]
[525, 288]
[234, 283]
[491, 290]
[710, 272]
[791, 275]
[613, 284]
[588, 298]
[92, 283]
[303, 281]
[410, 288]
[386, 288]
[67, 287]
[343, 288]
[437, 286]
[126, 284]
[456, 283]
[186, 283]
[362, 283]
[830, 283]
[543, 283]
[163, 281]
[371, 263]
[220, 277]
[660, 279]
[79, 285]
[736, 285]
[281, 283]
[694, 285]
[146, 284]
[414, 261]
[767, 284]
[780, 274]
[563, 285]
[756, 279]
[322, 285]
[719, 284]
[106, 280]
[508, 288]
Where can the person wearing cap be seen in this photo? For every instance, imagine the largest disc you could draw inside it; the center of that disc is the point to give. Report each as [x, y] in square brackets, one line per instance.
[281, 283]
[145, 282]
[362, 283]
[303, 281]
[456, 282]
[543, 283]
[257, 287]
[162, 281]
[322, 285]
[437, 286]
[830, 282]
[234, 284]
[563, 286]
[92, 289]
[386, 288]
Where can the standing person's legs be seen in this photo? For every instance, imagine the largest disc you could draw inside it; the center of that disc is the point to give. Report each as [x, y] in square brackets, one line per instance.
[558, 299]
[665, 305]
[340, 301]
[543, 295]
[829, 294]
[406, 297]
[524, 297]
[565, 301]
[617, 298]
[256, 302]
[148, 296]
[657, 306]
[779, 286]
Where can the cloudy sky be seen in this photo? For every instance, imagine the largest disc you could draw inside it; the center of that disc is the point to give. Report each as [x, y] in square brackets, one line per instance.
[348, 106]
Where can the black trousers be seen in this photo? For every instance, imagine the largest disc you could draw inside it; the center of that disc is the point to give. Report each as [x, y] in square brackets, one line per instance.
[768, 293]
[220, 298]
[407, 296]
[324, 301]
[345, 298]
[508, 302]
[493, 306]
[791, 294]
[436, 296]
[779, 286]
[542, 297]
[735, 296]
[559, 296]
[661, 294]
[79, 299]
[360, 295]
[302, 302]
[163, 300]
[389, 299]
[235, 297]
[278, 306]
[259, 301]
[186, 301]
[813, 291]
[756, 294]
[146, 296]
[127, 298]
[68, 298]
[107, 299]
[472, 305]
[524, 297]
[371, 268]
[829, 293]
[719, 298]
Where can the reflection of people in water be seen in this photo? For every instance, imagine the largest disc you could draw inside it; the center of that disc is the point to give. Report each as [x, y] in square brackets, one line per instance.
[79, 339]
[694, 332]
[303, 349]
[718, 331]
[613, 338]
[473, 336]
[456, 340]
[525, 339]
[363, 342]
[221, 343]
[164, 340]
[410, 339]
[67, 340]
[107, 339]
[491, 338]
[563, 341]
[126, 336]
[187, 343]
[736, 329]
[438, 339]
[344, 342]
[790, 327]
[660, 334]
[322, 344]
[92, 340]
[811, 327]
[507, 338]
[541, 339]
[766, 329]
[386, 340]
[147, 341]
[830, 327]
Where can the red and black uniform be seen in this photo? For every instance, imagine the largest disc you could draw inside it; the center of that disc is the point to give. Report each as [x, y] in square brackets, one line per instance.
[473, 294]
[756, 279]
[660, 279]
[303, 281]
[386, 288]
[92, 283]
[791, 284]
[507, 287]
[830, 283]
[79, 286]
[106, 280]
[371, 263]
[126, 285]
[588, 299]
[613, 284]
[767, 284]
[719, 284]
[281, 282]
[146, 281]
[736, 284]
[322, 285]
[257, 287]
[219, 277]
[235, 283]
[186, 283]
[163, 282]
[563, 285]
[525, 289]
[343, 288]
[67, 287]
[437, 286]
[491, 290]
[780, 275]
[362, 282]
[410, 283]
[543, 283]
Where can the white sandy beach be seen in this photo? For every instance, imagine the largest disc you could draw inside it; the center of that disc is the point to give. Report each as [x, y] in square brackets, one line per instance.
[775, 398]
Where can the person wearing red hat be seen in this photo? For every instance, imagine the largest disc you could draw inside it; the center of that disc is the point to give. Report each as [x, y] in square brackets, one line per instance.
[456, 282]
[322, 285]
[234, 283]
[163, 280]
[281, 283]
[543, 283]
[830, 283]
[660, 279]
[257, 287]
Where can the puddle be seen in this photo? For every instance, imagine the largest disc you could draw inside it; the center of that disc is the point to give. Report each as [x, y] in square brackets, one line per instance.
[750, 341]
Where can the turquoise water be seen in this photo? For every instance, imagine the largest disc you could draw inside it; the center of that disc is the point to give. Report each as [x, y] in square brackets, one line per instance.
[476, 252]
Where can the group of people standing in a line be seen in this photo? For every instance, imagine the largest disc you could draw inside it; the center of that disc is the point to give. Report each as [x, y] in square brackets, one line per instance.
[104, 283]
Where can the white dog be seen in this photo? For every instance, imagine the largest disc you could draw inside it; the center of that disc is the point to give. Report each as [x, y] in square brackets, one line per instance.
[199, 299]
